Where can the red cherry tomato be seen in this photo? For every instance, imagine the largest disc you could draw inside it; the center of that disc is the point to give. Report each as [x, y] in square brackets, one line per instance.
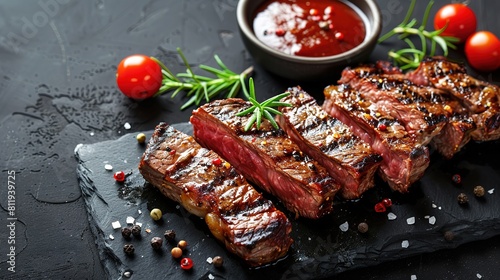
[138, 76]
[461, 21]
[482, 50]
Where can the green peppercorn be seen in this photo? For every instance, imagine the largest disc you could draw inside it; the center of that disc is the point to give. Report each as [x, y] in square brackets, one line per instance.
[155, 214]
[128, 249]
[479, 191]
[126, 232]
[136, 230]
[170, 235]
[218, 261]
[141, 138]
[156, 243]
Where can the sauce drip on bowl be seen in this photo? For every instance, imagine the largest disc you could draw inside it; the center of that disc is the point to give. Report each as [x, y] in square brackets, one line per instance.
[313, 28]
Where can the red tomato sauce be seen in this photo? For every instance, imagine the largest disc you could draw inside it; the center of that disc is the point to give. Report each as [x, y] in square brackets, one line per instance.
[313, 28]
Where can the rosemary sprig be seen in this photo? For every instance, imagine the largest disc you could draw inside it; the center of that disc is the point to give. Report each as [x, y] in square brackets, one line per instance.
[200, 87]
[264, 109]
[410, 58]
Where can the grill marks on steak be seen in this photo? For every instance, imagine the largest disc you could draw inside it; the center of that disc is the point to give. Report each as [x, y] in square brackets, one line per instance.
[404, 159]
[479, 97]
[348, 159]
[248, 224]
[266, 157]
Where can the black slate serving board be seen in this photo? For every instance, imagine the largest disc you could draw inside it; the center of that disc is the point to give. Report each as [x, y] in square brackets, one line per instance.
[322, 248]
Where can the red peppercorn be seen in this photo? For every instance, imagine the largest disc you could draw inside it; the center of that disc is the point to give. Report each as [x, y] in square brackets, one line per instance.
[339, 36]
[279, 32]
[186, 263]
[457, 179]
[380, 207]
[172, 152]
[217, 161]
[382, 127]
[387, 202]
[119, 176]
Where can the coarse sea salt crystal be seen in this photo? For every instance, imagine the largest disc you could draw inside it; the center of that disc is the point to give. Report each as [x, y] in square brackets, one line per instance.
[108, 167]
[479, 276]
[130, 220]
[405, 244]
[111, 237]
[391, 216]
[139, 224]
[116, 224]
[413, 277]
[139, 211]
[432, 220]
[491, 191]
[209, 260]
[410, 220]
[211, 277]
[434, 205]
[344, 227]
[127, 126]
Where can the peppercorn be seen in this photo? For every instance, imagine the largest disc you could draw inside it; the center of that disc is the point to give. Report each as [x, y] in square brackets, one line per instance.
[457, 179]
[479, 191]
[182, 244]
[176, 252]
[156, 214]
[128, 249]
[126, 232]
[448, 235]
[169, 235]
[186, 263]
[136, 230]
[218, 261]
[156, 242]
[462, 199]
[363, 227]
[141, 138]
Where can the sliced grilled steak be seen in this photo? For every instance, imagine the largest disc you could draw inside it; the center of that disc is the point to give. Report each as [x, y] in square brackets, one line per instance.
[479, 97]
[418, 108]
[404, 159]
[248, 224]
[349, 159]
[266, 157]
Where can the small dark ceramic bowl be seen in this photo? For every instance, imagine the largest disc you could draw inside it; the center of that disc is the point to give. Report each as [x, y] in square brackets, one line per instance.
[302, 68]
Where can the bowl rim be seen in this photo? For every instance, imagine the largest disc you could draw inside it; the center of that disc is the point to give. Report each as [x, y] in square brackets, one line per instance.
[245, 26]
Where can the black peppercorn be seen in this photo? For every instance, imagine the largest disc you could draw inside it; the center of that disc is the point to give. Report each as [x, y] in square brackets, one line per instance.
[363, 227]
[462, 199]
[448, 235]
[218, 261]
[136, 230]
[128, 249]
[126, 232]
[169, 235]
[479, 191]
[156, 243]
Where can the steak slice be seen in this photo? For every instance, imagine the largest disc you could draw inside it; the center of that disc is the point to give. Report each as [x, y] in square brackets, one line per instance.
[348, 158]
[404, 160]
[237, 215]
[266, 157]
[479, 97]
[418, 108]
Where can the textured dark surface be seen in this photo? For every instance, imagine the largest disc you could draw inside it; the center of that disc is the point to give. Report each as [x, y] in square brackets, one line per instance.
[57, 90]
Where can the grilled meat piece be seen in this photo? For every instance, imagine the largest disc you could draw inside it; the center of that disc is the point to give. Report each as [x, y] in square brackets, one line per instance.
[248, 224]
[479, 97]
[430, 114]
[404, 160]
[348, 158]
[266, 157]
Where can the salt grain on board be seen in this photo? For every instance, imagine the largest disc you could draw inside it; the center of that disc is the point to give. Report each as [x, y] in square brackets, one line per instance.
[130, 220]
[432, 220]
[491, 191]
[116, 224]
[405, 244]
[410, 220]
[391, 216]
[111, 237]
[344, 227]
[479, 276]
[108, 167]
[127, 126]
[413, 277]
